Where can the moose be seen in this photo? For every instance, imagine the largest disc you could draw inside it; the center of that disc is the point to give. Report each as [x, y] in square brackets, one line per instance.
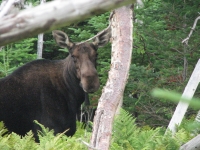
[51, 91]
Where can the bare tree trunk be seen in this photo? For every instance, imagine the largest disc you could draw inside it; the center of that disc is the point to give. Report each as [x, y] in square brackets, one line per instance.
[185, 63]
[52, 15]
[40, 40]
[193, 144]
[40, 46]
[189, 91]
[113, 91]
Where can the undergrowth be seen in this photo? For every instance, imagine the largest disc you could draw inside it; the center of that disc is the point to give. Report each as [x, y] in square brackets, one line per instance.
[126, 136]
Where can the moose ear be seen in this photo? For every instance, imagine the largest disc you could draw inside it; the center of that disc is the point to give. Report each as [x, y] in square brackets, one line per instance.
[102, 37]
[62, 39]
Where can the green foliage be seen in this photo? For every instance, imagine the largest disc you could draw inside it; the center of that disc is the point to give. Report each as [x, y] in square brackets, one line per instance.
[188, 124]
[127, 136]
[14, 55]
[157, 39]
[176, 97]
[157, 61]
[138, 100]
[14, 141]
[158, 58]
[47, 140]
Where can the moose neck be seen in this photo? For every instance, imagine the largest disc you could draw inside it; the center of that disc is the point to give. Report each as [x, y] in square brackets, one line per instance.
[70, 75]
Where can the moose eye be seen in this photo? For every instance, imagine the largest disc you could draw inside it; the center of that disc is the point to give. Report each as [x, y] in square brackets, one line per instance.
[75, 59]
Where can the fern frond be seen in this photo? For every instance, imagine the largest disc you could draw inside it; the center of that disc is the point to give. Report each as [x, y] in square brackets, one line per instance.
[124, 128]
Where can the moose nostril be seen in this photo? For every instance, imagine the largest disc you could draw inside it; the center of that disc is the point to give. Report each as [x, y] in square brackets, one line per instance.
[90, 83]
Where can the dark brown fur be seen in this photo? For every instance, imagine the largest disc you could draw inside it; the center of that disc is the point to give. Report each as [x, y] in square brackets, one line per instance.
[50, 92]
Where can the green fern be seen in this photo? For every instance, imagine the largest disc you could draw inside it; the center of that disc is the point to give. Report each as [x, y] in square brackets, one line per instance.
[17, 143]
[127, 136]
[124, 129]
[50, 142]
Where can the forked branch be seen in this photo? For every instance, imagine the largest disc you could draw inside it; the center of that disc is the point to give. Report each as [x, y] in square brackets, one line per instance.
[191, 31]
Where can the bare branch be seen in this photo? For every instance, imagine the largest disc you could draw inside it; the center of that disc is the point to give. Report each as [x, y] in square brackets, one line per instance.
[193, 144]
[87, 144]
[51, 15]
[191, 31]
[177, 51]
[1, 48]
[108, 28]
[6, 8]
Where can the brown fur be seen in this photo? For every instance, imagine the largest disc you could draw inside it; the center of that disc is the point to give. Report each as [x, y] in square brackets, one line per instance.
[50, 92]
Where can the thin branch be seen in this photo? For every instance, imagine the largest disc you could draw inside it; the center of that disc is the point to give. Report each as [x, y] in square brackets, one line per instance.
[103, 31]
[87, 144]
[1, 48]
[191, 31]
[177, 51]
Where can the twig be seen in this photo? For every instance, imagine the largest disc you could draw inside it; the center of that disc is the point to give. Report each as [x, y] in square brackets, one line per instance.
[87, 144]
[1, 48]
[108, 28]
[177, 51]
[191, 31]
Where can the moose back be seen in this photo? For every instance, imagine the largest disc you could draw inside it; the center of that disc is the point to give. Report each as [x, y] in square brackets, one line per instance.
[51, 92]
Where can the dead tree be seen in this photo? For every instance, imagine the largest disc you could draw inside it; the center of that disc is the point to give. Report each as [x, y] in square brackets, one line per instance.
[52, 15]
[40, 40]
[113, 91]
[193, 144]
[10, 7]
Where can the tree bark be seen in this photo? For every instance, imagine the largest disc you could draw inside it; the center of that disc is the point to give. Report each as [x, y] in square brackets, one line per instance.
[189, 91]
[113, 91]
[5, 7]
[193, 144]
[40, 46]
[51, 15]
[40, 39]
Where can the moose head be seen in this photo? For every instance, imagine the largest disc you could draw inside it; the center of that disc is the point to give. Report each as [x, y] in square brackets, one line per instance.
[84, 56]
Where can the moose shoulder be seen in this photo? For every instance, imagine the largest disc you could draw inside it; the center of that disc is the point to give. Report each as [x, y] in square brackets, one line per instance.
[51, 92]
